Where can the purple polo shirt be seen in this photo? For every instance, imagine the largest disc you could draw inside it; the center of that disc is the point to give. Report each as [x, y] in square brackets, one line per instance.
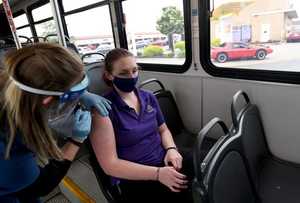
[137, 136]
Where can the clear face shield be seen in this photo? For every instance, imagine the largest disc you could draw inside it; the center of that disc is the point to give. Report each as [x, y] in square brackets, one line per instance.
[60, 112]
[68, 101]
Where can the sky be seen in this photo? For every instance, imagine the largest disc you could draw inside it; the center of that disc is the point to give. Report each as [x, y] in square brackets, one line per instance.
[141, 16]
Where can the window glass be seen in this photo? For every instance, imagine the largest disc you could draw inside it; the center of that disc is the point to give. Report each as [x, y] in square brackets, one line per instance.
[74, 4]
[21, 20]
[155, 30]
[24, 32]
[253, 34]
[46, 28]
[92, 36]
[42, 12]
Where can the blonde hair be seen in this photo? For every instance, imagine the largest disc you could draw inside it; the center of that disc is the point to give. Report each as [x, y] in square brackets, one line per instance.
[43, 66]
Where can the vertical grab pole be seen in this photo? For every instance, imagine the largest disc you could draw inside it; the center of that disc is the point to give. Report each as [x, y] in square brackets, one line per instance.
[11, 23]
[58, 23]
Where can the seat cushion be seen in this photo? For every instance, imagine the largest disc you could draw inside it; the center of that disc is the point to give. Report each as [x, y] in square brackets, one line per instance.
[279, 182]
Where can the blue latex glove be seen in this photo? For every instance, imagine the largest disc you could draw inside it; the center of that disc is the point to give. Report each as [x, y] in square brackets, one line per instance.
[81, 125]
[91, 100]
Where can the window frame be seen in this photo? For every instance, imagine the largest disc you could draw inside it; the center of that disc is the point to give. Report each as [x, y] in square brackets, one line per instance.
[234, 73]
[19, 13]
[38, 5]
[171, 68]
[31, 19]
[86, 8]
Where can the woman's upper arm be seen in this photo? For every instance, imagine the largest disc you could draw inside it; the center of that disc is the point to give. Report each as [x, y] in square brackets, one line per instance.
[103, 140]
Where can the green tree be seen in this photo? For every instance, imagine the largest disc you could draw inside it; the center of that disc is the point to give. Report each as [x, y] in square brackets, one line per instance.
[48, 28]
[171, 22]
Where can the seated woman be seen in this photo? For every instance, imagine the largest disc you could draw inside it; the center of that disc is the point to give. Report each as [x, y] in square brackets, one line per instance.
[135, 145]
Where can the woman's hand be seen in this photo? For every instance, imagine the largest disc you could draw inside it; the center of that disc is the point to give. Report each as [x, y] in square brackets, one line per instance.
[174, 180]
[91, 100]
[172, 156]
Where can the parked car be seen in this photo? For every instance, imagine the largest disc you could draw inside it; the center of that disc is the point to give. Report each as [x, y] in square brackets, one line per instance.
[142, 43]
[161, 42]
[293, 37]
[83, 50]
[104, 48]
[237, 50]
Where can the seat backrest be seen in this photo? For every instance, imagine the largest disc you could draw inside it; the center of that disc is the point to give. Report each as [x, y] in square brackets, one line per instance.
[98, 86]
[95, 72]
[249, 125]
[224, 177]
[168, 107]
[229, 181]
[111, 193]
[170, 111]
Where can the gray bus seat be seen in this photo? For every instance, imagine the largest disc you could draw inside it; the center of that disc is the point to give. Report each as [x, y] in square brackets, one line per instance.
[98, 86]
[274, 180]
[220, 177]
[95, 72]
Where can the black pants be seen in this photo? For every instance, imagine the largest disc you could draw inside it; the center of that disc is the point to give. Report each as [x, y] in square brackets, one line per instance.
[154, 191]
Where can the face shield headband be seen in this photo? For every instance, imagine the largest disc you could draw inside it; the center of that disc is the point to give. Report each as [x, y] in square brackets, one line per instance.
[72, 94]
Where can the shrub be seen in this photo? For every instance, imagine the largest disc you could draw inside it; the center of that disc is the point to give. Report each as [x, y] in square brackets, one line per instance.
[181, 54]
[153, 50]
[180, 45]
[168, 55]
[216, 42]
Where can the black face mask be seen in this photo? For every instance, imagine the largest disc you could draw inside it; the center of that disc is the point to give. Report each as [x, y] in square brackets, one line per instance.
[125, 84]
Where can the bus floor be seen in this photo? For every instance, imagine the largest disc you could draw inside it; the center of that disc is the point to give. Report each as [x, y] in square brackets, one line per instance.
[55, 197]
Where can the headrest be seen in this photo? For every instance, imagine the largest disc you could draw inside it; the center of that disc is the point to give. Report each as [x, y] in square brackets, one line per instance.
[95, 72]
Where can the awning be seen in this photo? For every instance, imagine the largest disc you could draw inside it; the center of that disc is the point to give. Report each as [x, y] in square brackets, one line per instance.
[291, 14]
[230, 6]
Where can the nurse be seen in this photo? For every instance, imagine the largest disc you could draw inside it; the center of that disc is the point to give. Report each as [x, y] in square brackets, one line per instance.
[43, 90]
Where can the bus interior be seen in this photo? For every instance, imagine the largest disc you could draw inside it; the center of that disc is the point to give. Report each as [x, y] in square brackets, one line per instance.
[225, 73]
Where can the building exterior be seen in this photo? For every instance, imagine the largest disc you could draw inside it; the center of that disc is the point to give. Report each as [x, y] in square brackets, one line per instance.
[254, 21]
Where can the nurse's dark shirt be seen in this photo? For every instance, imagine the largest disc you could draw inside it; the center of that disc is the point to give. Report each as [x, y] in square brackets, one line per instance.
[19, 171]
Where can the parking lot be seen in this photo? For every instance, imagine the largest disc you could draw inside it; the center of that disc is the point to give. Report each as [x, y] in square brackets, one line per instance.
[285, 57]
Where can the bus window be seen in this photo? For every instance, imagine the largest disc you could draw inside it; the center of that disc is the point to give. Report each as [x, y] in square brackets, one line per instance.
[45, 28]
[155, 30]
[22, 25]
[24, 32]
[42, 12]
[74, 4]
[255, 35]
[21, 20]
[94, 35]
[43, 22]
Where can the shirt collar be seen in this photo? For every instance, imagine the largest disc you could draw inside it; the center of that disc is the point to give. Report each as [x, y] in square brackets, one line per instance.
[121, 103]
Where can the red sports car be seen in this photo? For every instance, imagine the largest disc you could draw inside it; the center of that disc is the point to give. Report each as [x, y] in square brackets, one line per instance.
[239, 50]
[293, 37]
